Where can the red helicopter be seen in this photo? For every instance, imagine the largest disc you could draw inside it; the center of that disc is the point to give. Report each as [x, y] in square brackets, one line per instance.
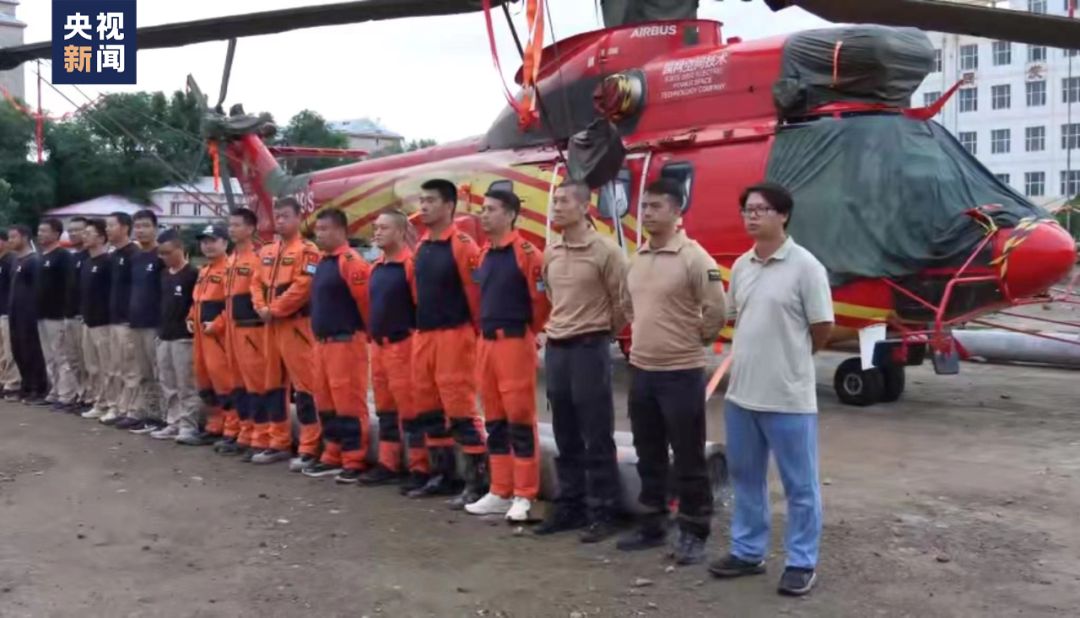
[918, 236]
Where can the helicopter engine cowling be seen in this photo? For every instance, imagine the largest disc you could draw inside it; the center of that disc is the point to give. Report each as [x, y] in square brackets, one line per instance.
[1034, 256]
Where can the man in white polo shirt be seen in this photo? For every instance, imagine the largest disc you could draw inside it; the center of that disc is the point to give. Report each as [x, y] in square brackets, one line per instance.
[784, 304]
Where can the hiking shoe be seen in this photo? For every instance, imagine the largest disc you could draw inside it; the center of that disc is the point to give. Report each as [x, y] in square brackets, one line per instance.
[231, 449]
[301, 463]
[412, 482]
[93, 413]
[599, 530]
[111, 418]
[379, 475]
[148, 427]
[168, 432]
[797, 581]
[437, 485]
[519, 510]
[489, 505]
[197, 439]
[318, 470]
[127, 423]
[270, 456]
[248, 455]
[465, 498]
[648, 536]
[562, 520]
[35, 402]
[348, 477]
[689, 549]
[730, 566]
[222, 442]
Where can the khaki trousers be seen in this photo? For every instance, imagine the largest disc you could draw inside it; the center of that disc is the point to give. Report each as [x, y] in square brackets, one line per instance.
[146, 394]
[9, 371]
[54, 347]
[180, 401]
[123, 379]
[76, 355]
[100, 365]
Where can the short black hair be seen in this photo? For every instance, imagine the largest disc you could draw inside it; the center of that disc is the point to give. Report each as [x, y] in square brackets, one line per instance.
[98, 225]
[446, 189]
[79, 219]
[23, 230]
[169, 235]
[401, 218]
[334, 216]
[54, 223]
[145, 214]
[247, 215]
[581, 189]
[669, 187]
[288, 202]
[509, 200]
[776, 195]
[122, 218]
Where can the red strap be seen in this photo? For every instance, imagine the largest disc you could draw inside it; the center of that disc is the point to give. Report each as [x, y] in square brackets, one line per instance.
[926, 113]
[213, 148]
[495, 58]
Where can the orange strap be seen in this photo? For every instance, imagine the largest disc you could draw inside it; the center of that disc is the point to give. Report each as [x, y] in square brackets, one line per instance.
[836, 63]
[213, 147]
[526, 108]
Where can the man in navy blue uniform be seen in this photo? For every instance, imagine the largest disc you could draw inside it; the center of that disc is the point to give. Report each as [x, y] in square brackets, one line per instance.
[9, 371]
[25, 342]
[74, 330]
[124, 382]
[50, 289]
[145, 318]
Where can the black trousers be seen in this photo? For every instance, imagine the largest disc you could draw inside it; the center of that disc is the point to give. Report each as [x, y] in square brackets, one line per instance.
[26, 350]
[668, 408]
[583, 419]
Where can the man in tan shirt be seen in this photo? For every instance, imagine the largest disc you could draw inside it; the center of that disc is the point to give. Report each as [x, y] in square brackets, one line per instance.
[583, 275]
[674, 298]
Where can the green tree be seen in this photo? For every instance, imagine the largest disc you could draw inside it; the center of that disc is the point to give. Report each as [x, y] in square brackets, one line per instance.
[309, 129]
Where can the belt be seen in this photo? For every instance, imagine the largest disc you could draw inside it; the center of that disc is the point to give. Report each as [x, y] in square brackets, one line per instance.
[339, 338]
[391, 338]
[576, 340]
[256, 323]
[508, 332]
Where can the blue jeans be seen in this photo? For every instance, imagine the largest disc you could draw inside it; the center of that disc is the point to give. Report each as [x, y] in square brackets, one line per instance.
[793, 440]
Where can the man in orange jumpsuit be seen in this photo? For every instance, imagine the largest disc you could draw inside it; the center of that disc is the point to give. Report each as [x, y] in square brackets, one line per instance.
[212, 376]
[339, 312]
[245, 338]
[391, 327]
[513, 310]
[444, 351]
[283, 289]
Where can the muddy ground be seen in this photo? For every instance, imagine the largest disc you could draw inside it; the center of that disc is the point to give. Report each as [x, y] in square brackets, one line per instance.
[963, 499]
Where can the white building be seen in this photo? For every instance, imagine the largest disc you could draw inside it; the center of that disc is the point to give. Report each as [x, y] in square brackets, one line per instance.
[11, 34]
[365, 134]
[1020, 113]
[199, 204]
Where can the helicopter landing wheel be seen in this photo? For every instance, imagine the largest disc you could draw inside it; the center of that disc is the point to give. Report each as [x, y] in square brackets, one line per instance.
[856, 386]
[894, 378]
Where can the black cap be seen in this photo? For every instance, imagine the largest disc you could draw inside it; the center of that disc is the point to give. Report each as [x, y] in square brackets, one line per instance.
[213, 231]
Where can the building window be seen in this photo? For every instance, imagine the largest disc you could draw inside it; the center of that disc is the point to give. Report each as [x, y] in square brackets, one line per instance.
[937, 61]
[969, 57]
[1037, 6]
[969, 140]
[1035, 139]
[683, 172]
[1070, 90]
[1070, 183]
[176, 208]
[969, 100]
[1001, 96]
[1034, 184]
[1036, 94]
[1002, 53]
[1070, 136]
[1000, 141]
[1002, 178]
[1036, 53]
[929, 98]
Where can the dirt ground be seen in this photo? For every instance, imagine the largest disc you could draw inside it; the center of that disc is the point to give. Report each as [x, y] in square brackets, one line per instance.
[960, 500]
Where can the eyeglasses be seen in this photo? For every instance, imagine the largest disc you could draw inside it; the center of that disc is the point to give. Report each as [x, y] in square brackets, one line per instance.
[757, 211]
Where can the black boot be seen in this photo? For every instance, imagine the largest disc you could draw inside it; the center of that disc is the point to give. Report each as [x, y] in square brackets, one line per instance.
[379, 475]
[476, 482]
[441, 483]
[414, 481]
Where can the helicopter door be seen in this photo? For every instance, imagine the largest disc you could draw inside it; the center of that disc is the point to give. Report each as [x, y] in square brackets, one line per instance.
[615, 198]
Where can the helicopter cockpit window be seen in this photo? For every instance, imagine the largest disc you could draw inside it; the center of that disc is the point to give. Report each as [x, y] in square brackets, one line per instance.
[615, 196]
[684, 173]
[502, 185]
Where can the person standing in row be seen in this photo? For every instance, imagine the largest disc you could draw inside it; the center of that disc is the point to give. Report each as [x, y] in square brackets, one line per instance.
[175, 351]
[674, 300]
[74, 330]
[583, 276]
[339, 313]
[145, 314]
[95, 290]
[10, 383]
[124, 383]
[283, 289]
[50, 286]
[513, 310]
[23, 310]
[785, 315]
[212, 375]
[245, 337]
[392, 326]
[444, 352]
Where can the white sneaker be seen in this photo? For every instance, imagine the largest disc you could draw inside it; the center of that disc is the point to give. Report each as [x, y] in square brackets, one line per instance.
[169, 432]
[93, 413]
[109, 417]
[489, 505]
[519, 510]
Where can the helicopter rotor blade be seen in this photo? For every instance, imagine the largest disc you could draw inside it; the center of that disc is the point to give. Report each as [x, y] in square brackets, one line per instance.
[194, 89]
[225, 76]
[265, 22]
[952, 17]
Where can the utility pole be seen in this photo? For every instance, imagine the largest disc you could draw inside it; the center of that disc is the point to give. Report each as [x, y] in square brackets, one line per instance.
[1070, 195]
[40, 114]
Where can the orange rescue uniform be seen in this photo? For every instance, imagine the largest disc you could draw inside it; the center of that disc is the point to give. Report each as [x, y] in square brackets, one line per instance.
[283, 284]
[212, 376]
[513, 310]
[246, 339]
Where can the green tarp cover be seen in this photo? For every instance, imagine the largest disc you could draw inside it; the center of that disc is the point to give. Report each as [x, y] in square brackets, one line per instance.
[885, 196]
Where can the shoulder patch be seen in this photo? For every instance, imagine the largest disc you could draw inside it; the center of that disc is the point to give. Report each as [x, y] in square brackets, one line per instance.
[714, 275]
[215, 278]
[464, 238]
[527, 247]
[243, 271]
[268, 261]
[310, 268]
[350, 256]
[287, 261]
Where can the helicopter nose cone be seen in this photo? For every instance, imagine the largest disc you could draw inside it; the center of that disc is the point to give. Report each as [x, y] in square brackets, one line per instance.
[1034, 256]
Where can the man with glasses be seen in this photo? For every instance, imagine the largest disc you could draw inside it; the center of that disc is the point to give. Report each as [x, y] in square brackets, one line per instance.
[781, 293]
